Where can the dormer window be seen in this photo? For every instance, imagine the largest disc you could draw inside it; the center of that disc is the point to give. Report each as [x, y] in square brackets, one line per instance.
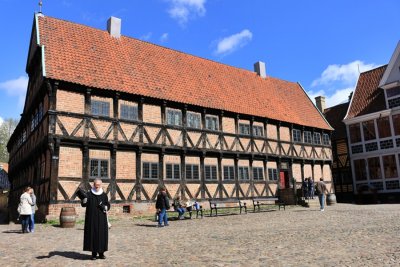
[393, 97]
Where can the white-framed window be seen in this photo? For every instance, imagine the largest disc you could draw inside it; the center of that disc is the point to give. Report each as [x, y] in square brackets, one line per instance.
[150, 170]
[100, 108]
[243, 173]
[192, 172]
[272, 174]
[193, 120]
[244, 129]
[229, 173]
[296, 135]
[212, 123]
[307, 137]
[326, 139]
[98, 168]
[258, 173]
[258, 130]
[128, 112]
[172, 171]
[317, 138]
[210, 172]
[174, 117]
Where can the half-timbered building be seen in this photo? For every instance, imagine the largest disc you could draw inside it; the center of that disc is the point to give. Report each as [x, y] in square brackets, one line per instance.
[140, 116]
[373, 127]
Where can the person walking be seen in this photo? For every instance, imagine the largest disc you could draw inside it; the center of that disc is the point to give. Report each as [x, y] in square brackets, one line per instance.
[31, 225]
[305, 188]
[311, 188]
[96, 225]
[162, 205]
[25, 209]
[321, 190]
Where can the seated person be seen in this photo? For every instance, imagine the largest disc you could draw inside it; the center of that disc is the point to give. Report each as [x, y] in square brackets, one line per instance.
[179, 206]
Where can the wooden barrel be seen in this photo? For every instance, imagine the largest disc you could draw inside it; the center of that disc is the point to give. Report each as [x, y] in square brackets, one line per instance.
[331, 199]
[67, 217]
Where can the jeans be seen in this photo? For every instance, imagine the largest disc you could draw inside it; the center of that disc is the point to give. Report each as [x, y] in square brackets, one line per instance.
[321, 198]
[24, 222]
[31, 225]
[162, 216]
[181, 211]
[311, 193]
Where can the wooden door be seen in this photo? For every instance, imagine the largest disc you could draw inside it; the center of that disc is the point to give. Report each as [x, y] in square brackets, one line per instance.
[282, 179]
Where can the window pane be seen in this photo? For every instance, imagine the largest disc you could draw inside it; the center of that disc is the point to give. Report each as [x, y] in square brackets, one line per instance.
[393, 92]
[355, 133]
[296, 135]
[307, 137]
[389, 165]
[146, 170]
[374, 168]
[369, 130]
[326, 139]
[360, 169]
[177, 171]
[94, 168]
[214, 172]
[154, 170]
[257, 131]
[396, 124]
[101, 108]
[129, 112]
[104, 168]
[244, 129]
[317, 138]
[189, 174]
[384, 127]
[196, 172]
[193, 120]
[212, 123]
[168, 170]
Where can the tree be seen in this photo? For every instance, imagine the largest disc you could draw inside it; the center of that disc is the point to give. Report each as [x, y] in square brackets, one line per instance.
[6, 130]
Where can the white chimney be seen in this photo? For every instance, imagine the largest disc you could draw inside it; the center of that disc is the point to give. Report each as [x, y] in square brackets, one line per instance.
[259, 68]
[114, 27]
[320, 102]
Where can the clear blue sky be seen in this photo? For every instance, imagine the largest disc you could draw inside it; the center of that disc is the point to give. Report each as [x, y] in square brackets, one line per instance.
[321, 44]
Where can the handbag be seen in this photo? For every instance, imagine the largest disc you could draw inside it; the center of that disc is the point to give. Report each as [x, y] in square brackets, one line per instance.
[19, 209]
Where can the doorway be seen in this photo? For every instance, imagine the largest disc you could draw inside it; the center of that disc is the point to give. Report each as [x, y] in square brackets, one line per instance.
[284, 179]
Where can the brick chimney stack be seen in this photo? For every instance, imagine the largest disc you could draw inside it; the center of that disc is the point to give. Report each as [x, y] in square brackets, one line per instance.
[320, 102]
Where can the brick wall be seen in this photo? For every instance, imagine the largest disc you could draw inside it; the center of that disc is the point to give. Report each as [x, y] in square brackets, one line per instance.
[151, 113]
[296, 169]
[70, 162]
[307, 171]
[69, 124]
[150, 157]
[284, 133]
[272, 131]
[126, 165]
[70, 101]
[228, 125]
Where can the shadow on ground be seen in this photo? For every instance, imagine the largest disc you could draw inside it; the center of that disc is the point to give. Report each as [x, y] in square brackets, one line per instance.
[66, 254]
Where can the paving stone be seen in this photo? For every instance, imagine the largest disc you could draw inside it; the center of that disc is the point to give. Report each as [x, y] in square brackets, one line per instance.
[343, 235]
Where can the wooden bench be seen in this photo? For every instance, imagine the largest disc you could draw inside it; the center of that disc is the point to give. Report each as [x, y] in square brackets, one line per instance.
[221, 204]
[199, 212]
[267, 201]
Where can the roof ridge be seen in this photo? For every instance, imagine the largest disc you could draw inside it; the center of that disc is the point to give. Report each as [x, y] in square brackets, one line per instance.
[374, 69]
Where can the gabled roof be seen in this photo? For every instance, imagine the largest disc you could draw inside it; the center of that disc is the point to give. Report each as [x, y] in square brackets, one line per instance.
[91, 57]
[392, 71]
[335, 115]
[368, 97]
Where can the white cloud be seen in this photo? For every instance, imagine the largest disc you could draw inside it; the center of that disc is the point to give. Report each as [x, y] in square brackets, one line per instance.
[183, 10]
[347, 74]
[231, 43]
[146, 37]
[337, 81]
[164, 37]
[16, 87]
[333, 99]
[1, 120]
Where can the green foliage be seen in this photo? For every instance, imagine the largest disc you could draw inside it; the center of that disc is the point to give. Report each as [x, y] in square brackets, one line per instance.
[6, 130]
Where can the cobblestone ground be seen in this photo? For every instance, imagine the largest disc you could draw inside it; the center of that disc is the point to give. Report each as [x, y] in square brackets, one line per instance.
[343, 235]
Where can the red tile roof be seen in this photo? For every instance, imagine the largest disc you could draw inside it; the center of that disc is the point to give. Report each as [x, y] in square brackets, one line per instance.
[367, 97]
[83, 55]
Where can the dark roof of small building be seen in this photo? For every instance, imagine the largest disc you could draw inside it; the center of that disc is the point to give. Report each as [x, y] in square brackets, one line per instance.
[335, 115]
[368, 97]
[83, 55]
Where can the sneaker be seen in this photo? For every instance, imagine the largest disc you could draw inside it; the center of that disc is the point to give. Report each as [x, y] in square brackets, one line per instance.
[322, 210]
[102, 257]
[160, 225]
